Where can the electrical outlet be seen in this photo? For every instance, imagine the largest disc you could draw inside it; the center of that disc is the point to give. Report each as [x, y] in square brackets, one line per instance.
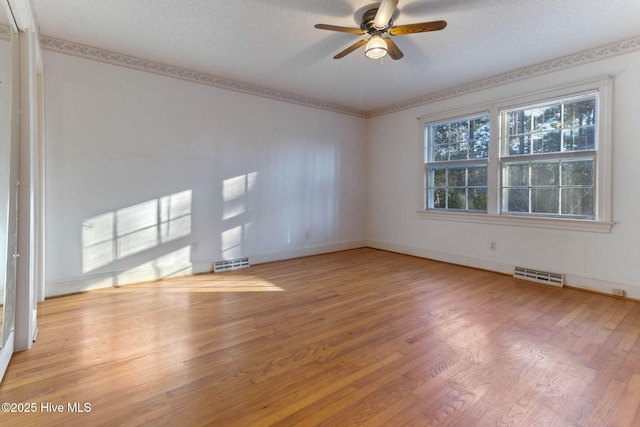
[492, 246]
[618, 292]
[194, 247]
[307, 235]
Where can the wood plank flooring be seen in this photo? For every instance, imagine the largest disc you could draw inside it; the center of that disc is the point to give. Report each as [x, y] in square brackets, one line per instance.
[361, 337]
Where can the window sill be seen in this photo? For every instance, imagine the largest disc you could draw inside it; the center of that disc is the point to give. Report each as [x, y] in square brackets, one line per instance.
[518, 221]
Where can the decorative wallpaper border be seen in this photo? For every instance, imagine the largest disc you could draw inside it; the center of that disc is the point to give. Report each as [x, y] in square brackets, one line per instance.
[114, 58]
[77, 49]
[513, 76]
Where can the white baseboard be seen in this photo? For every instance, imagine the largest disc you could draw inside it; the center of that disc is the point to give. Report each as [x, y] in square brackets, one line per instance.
[307, 251]
[118, 278]
[602, 285]
[111, 279]
[452, 258]
[97, 281]
[594, 284]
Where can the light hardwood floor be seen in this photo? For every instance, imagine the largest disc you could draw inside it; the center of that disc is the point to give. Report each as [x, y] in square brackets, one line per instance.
[361, 337]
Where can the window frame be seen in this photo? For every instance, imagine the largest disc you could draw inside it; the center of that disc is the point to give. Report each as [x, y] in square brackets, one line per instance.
[602, 222]
[430, 164]
[531, 159]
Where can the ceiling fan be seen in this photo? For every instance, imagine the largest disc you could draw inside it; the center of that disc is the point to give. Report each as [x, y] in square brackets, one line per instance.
[377, 24]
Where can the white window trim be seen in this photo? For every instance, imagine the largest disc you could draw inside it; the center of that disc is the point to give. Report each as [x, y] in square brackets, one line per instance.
[520, 221]
[453, 163]
[603, 223]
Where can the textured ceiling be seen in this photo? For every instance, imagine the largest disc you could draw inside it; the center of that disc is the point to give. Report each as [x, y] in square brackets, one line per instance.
[273, 44]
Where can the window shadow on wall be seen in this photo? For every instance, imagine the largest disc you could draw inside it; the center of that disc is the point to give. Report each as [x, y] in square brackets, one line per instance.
[111, 237]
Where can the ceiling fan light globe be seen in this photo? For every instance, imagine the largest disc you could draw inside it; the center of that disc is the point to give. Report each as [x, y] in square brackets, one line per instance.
[376, 48]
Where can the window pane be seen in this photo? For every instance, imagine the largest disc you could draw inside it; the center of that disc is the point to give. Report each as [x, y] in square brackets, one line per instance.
[519, 122]
[478, 149]
[462, 184]
[464, 150]
[543, 174]
[547, 178]
[453, 152]
[457, 198]
[517, 199]
[547, 118]
[479, 134]
[520, 145]
[441, 134]
[580, 138]
[537, 142]
[459, 131]
[577, 173]
[580, 113]
[517, 176]
[545, 200]
[549, 142]
[477, 199]
[478, 177]
[577, 201]
[457, 177]
[439, 177]
[439, 198]
[448, 188]
[459, 151]
[441, 153]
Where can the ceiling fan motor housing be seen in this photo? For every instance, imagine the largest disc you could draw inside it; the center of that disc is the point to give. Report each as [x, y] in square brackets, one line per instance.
[367, 22]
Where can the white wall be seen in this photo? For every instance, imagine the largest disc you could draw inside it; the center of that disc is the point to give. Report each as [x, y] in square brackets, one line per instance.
[591, 260]
[249, 176]
[238, 175]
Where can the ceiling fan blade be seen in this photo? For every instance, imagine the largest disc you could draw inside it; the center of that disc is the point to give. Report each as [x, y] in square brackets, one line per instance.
[384, 13]
[393, 49]
[421, 27]
[357, 31]
[351, 48]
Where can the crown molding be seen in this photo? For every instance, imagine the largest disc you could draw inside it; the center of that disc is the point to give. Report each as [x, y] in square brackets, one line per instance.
[80, 50]
[584, 57]
[113, 58]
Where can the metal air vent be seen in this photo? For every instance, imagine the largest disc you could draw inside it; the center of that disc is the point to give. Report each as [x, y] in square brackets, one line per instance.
[553, 279]
[228, 265]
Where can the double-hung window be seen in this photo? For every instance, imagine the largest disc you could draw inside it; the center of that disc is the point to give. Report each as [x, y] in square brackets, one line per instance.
[535, 160]
[456, 163]
[548, 157]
